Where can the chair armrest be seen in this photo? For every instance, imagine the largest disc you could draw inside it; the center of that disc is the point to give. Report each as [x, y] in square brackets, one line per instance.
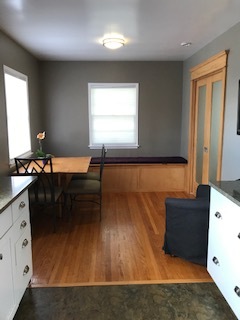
[203, 191]
[175, 206]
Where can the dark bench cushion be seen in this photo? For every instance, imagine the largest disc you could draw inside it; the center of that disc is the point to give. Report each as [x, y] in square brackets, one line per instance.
[140, 160]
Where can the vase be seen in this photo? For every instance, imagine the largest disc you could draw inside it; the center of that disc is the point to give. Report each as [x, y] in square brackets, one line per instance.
[44, 161]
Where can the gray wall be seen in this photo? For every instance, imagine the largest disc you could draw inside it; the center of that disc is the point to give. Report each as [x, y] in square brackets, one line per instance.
[14, 56]
[231, 141]
[64, 87]
[63, 107]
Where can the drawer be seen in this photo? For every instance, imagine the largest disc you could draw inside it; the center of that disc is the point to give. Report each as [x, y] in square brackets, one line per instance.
[20, 205]
[226, 212]
[226, 278]
[217, 263]
[20, 226]
[224, 225]
[225, 236]
[23, 262]
[5, 221]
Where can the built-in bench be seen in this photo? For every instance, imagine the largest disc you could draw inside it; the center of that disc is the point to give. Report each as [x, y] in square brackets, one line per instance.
[141, 160]
[142, 174]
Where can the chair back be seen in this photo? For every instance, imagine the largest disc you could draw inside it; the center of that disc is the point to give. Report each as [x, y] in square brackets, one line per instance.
[43, 191]
[103, 156]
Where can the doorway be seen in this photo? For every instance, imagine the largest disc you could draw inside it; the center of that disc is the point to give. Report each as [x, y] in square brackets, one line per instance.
[206, 120]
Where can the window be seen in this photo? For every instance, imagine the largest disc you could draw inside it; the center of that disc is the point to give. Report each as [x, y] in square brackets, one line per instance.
[113, 115]
[16, 91]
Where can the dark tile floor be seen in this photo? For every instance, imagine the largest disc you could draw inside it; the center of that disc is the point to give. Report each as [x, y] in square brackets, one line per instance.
[196, 301]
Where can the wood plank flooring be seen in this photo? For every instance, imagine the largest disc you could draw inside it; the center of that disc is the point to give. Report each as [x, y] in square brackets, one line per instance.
[125, 247]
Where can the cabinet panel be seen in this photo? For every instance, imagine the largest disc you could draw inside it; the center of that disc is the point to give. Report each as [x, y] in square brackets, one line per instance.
[6, 280]
[225, 225]
[227, 279]
[224, 248]
[23, 263]
[5, 221]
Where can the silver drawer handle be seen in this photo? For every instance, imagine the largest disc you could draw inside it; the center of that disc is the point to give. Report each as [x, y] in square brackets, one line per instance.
[1, 256]
[218, 215]
[239, 235]
[216, 261]
[237, 290]
[23, 224]
[26, 269]
[22, 205]
[25, 243]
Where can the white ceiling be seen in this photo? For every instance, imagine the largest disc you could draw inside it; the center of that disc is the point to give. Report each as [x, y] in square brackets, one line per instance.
[153, 29]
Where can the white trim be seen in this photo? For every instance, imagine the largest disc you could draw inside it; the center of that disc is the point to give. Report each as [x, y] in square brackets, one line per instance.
[18, 75]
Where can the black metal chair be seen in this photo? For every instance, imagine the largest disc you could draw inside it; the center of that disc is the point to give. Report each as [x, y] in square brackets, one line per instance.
[86, 189]
[92, 175]
[44, 192]
[187, 220]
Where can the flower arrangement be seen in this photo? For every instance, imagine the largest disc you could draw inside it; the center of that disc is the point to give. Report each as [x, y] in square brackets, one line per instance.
[40, 137]
[40, 153]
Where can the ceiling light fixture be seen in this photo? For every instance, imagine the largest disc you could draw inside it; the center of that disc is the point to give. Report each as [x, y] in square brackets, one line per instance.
[113, 43]
[186, 44]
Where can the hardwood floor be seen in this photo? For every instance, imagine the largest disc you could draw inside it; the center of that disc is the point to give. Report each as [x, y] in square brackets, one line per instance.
[125, 247]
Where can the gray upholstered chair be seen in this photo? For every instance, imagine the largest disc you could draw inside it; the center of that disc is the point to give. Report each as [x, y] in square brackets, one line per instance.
[186, 234]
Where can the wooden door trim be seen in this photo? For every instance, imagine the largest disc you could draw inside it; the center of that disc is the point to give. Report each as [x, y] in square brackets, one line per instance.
[211, 65]
[220, 146]
[215, 64]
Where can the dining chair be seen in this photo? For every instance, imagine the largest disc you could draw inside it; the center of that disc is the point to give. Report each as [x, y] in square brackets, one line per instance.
[92, 175]
[86, 189]
[44, 192]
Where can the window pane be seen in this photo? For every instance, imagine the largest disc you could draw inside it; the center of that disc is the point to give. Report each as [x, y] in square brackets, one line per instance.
[113, 115]
[16, 91]
[113, 101]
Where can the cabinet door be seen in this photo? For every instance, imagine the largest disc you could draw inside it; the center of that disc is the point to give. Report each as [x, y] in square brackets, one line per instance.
[23, 265]
[6, 281]
[224, 248]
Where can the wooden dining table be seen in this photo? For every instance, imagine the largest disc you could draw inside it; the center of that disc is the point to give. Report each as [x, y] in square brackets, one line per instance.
[64, 167]
[70, 164]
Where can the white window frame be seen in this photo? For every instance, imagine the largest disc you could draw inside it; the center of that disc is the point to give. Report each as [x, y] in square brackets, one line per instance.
[128, 115]
[18, 116]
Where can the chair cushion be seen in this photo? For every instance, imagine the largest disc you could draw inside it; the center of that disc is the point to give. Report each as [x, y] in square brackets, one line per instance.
[88, 175]
[84, 187]
[45, 197]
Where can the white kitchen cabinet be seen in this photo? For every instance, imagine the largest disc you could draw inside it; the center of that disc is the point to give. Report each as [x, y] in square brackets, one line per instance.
[224, 241]
[15, 243]
[6, 281]
[21, 245]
